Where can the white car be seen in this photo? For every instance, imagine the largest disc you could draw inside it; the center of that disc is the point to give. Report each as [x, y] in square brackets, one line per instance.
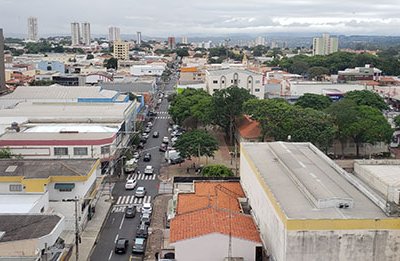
[147, 208]
[130, 184]
[174, 139]
[165, 140]
[149, 170]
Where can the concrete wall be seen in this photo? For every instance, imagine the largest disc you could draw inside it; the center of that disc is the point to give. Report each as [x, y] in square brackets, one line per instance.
[272, 230]
[343, 245]
[213, 247]
[21, 248]
[350, 148]
[52, 237]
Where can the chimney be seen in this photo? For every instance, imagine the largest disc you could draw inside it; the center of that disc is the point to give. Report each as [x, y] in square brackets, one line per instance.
[2, 68]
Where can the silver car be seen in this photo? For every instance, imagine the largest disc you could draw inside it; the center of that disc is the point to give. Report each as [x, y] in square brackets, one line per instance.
[140, 192]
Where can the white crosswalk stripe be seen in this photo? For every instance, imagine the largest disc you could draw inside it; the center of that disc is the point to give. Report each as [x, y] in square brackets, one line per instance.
[123, 201]
[141, 176]
[163, 117]
[163, 112]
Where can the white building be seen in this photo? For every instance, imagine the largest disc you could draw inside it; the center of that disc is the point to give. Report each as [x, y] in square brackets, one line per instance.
[147, 70]
[260, 40]
[121, 50]
[86, 36]
[139, 38]
[307, 208]
[224, 78]
[114, 34]
[75, 34]
[32, 29]
[185, 40]
[325, 45]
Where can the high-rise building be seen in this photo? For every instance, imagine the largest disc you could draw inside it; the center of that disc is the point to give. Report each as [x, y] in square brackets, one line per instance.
[171, 43]
[86, 38]
[139, 38]
[114, 34]
[75, 33]
[184, 40]
[2, 68]
[260, 41]
[32, 29]
[325, 45]
[121, 50]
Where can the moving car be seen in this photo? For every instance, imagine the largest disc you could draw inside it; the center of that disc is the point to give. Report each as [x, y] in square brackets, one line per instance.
[130, 211]
[142, 230]
[145, 218]
[139, 245]
[156, 134]
[121, 246]
[140, 192]
[149, 170]
[130, 184]
[147, 208]
[165, 140]
[147, 157]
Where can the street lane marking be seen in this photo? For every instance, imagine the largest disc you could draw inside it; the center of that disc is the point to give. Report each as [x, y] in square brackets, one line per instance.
[116, 237]
[109, 257]
[302, 164]
[122, 222]
[119, 200]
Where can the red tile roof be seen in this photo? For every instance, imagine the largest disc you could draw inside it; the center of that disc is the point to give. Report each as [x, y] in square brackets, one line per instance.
[212, 220]
[248, 128]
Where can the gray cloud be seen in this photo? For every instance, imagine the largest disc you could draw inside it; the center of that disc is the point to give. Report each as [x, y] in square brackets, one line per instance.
[180, 17]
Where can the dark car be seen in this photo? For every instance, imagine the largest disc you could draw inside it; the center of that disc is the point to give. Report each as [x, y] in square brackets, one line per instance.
[130, 211]
[176, 160]
[140, 145]
[156, 134]
[142, 230]
[152, 113]
[121, 246]
[147, 157]
[163, 147]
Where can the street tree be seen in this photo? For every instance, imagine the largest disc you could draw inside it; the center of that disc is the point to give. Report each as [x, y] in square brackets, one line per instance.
[217, 170]
[397, 121]
[196, 143]
[111, 63]
[226, 105]
[317, 72]
[368, 98]
[314, 101]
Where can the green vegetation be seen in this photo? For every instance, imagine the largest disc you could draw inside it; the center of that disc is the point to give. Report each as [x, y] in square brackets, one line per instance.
[223, 53]
[111, 63]
[216, 170]
[314, 101]
[5, 154]
[367, 98]
[196, 143]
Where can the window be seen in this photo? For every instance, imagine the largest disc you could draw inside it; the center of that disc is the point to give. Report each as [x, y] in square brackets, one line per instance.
[215, 81]
[222, 81]
[249, 81]
[15, 187]
[257, 90]
[105, 149]
[257, 81]
[64, 187]
[60, 151]
[81, 151]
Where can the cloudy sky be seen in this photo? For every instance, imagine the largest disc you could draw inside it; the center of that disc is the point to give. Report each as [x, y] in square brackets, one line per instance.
[205, 17]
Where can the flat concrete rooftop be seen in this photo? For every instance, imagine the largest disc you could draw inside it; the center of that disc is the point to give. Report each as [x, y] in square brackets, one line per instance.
[305, 183]
[38, 168]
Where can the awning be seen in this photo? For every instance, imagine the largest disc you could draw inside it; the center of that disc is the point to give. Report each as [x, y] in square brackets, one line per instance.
[64, 186]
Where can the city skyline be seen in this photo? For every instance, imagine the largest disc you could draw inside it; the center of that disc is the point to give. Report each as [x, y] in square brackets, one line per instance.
[207, 17]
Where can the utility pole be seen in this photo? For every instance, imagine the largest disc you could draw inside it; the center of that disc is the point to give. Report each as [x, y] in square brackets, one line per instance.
[76, 230]
[236, 163]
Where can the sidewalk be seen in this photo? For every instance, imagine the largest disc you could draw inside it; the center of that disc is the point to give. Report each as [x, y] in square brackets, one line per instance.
[92, 229]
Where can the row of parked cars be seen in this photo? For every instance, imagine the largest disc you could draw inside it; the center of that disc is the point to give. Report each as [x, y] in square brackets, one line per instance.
[139, 242]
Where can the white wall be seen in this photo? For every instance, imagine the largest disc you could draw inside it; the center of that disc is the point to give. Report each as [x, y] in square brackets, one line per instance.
[272, 230]
[214, 247]
[52, 237]
[140, 70]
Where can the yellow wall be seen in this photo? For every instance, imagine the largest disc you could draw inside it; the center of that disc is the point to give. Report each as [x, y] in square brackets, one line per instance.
[38, 185]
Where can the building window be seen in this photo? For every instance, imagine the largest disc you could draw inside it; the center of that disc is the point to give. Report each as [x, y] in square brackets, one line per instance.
[81, 151]
[60, 151]
[105, 149]
[222, 81]
[257, 81]
[256, 90]
[64, 187]
[15, 187]
[215, 81]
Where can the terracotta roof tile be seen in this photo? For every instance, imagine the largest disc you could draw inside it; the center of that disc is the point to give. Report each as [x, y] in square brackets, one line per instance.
[212, 220]
[188, 69]
[248, 128]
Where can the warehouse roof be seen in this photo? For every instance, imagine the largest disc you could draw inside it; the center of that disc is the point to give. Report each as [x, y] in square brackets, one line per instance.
[305, 183]
[22, 227]
[231, 71]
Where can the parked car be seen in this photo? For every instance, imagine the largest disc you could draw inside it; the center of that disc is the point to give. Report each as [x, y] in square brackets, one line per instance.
[121, 245]
[147, 130]
[176, 159]
[140, 192]
[152, 113]
[136, 155]
[130, 184]
[163, 147]
[147, 208]
[142, 230]
[156, 134]
[145, 135]
[165, 140]
[145, 218]
[174, 139]
[149, 124]
[139, 245]
[140, 145]
[130, 165]
[149, 170]
[147, 157]
[130, 211]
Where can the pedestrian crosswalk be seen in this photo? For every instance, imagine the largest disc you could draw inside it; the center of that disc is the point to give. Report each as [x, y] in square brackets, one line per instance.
[141, 176]
[162, 112]
[132, 200]
[163, 117]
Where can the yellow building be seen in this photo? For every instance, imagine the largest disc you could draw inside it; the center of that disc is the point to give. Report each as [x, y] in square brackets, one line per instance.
[121, 50]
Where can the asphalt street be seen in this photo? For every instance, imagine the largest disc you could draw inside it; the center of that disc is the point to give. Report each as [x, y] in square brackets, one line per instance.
[117, 226]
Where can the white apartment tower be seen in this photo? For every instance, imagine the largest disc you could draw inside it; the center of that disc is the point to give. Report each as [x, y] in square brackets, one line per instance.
[325, 45]
[86, 38]
[75, 34]
[32, 29]
[260, 40]
[185, 40]
[139, 38]
[114, 34]
[121, 50]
